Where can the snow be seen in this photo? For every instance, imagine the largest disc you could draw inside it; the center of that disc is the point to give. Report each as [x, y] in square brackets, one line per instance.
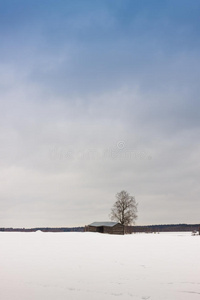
[93, 266]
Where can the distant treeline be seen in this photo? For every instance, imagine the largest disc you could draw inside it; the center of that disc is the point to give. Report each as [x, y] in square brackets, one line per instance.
[128, 229]
[45, 229]
[166, 228]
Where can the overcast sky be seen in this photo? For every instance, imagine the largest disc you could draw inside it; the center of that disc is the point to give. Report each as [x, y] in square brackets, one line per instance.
[99, 96]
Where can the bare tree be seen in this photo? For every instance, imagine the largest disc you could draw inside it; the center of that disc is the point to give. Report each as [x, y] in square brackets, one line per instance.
[124, 209]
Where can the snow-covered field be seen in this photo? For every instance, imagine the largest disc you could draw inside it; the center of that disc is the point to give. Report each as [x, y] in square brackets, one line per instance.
[93, 266]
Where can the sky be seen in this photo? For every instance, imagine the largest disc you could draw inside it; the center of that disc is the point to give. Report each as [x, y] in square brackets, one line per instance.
[99, 96]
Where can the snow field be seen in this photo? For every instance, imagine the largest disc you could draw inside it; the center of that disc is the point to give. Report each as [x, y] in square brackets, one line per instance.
[93, 266]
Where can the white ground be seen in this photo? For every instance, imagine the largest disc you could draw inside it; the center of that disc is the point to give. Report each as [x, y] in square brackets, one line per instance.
[93, 266]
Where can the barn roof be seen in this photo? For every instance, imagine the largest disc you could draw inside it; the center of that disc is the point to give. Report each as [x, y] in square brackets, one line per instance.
[108, 224]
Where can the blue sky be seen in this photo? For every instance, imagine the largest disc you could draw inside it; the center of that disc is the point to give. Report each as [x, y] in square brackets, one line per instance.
[96, 97]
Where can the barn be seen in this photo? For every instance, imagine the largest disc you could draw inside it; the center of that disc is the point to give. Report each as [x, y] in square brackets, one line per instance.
[106, 227]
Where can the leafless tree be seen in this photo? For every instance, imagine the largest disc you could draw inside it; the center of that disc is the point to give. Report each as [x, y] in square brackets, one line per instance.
[124, 209]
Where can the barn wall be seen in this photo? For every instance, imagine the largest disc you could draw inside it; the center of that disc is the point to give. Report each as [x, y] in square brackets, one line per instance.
[107, 229]
[91, 229]
[118, 229]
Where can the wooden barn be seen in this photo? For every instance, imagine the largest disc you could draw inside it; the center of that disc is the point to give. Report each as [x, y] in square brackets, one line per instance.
[105, 227]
